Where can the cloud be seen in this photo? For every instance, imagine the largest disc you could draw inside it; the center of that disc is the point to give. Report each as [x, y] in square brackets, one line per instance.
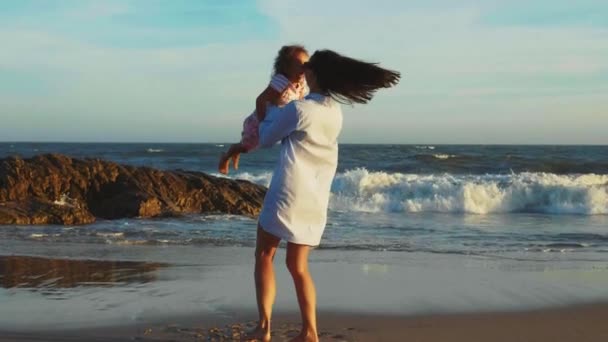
[97, 9]
[170, 84]
[547, 13]
[164, 92]
[459, 72]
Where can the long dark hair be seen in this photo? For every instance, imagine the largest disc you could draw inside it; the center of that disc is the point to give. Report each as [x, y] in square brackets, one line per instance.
[348, 80]
[284, 58]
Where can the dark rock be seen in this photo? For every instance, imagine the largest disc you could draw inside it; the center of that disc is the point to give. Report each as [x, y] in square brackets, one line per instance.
[34, 211]
[57, 189]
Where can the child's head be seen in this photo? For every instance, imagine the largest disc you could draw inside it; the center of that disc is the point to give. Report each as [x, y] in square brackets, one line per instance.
[289, 61]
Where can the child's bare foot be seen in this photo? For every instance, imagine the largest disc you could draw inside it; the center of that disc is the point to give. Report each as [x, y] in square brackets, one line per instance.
[235, 161]
[257, 334]
[224, 164]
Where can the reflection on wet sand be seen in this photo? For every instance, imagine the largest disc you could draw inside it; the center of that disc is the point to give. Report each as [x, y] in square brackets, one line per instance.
[37, 272]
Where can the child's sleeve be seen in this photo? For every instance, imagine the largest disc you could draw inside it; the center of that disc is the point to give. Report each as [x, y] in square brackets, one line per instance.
[279, 83]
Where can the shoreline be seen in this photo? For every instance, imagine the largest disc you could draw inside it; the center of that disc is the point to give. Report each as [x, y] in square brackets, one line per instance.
[187, 284]
[570, 323]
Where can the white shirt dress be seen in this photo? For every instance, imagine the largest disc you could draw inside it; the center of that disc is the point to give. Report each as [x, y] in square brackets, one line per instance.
[295, 206]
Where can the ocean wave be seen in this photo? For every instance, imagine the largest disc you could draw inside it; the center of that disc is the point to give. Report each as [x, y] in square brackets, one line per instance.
[443, 156]
[38, 235]
[154, 150]
[430, 157]
[362, 190]
[262, 178]
[434, 162]
[395, 245]
[531, 192]
[110, 234]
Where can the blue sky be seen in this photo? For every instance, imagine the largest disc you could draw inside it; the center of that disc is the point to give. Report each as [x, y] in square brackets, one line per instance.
[484, 71]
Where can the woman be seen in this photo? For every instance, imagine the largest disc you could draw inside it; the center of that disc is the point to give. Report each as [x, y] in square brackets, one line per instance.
[295, 206]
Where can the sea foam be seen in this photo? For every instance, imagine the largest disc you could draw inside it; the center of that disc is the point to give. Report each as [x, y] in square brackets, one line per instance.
[362, 190]
[530, 192]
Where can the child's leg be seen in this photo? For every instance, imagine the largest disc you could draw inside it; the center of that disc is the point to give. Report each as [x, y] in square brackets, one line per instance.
[235, 161]
[233, 152]
[237, 155]
[249, 140]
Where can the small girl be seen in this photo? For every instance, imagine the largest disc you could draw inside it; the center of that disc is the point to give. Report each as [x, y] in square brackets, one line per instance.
[287, 84]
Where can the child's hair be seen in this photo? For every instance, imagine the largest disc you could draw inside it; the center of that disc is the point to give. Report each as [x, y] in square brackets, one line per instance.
[348, 80]
[283, 59]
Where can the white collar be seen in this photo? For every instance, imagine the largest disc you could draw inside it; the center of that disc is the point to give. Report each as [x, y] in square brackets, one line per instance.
[315, 96]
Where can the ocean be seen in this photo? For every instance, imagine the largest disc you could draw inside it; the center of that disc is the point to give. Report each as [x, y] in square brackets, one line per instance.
[539, 202]
[530, 222]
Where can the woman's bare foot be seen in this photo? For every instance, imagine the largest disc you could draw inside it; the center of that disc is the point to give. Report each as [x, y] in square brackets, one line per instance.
[305, 337]
[224, 164]
[257, 334]
[235, 161]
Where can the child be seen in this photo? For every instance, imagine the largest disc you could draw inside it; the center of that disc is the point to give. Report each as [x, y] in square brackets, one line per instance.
[287, 84]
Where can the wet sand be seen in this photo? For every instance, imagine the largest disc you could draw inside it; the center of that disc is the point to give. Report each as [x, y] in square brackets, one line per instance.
[108, 293]
[22, 271]
[578, 323]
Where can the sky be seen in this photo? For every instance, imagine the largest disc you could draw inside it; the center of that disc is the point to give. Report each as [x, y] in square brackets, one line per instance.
[474, 72]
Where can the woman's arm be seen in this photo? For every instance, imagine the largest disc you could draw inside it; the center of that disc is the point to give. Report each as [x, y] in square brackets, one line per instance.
[261, 102]
[279, 123]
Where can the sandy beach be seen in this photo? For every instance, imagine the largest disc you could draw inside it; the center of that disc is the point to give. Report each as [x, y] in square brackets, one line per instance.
[578, 323]
[190, 294]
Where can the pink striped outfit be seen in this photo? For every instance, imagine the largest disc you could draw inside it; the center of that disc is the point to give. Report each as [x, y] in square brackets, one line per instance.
[289, 92]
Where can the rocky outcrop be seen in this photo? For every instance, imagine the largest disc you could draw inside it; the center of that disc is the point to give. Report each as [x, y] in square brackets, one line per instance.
[57, 189]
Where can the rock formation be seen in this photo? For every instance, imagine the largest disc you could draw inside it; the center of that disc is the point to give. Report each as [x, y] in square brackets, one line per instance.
[57, 189]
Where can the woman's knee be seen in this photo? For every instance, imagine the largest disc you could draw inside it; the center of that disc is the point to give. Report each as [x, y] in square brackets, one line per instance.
[266, 245]
[296, 267]
[297, 259]
[265, 254]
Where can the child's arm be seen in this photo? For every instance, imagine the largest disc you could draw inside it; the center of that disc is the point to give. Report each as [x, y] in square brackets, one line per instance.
[268, 95]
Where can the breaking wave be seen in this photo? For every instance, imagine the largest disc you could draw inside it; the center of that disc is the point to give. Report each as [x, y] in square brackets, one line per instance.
[529, 192]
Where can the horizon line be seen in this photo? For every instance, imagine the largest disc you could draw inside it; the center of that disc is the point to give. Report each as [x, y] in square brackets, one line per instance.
[343, 143]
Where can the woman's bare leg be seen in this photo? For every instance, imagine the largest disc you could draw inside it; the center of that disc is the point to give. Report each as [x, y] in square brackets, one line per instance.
[297, 263]
[233, 153]
[265, 284]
